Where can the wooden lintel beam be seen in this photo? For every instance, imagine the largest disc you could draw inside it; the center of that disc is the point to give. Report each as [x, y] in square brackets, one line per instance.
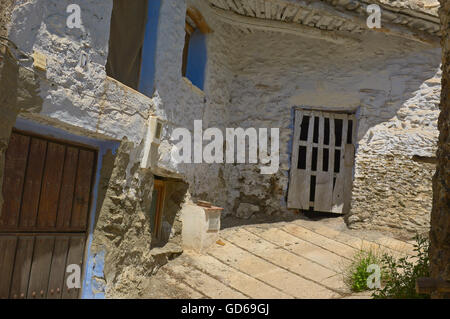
[281, 26]
[189, 28]
[200, 22]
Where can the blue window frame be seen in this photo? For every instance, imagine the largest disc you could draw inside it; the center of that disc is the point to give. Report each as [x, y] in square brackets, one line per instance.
[147, 78]
[195, 53]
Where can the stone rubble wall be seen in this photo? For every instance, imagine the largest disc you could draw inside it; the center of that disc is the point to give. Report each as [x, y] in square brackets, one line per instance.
[391, 193]
[253, 79]
[84, 101]
[392, 84]
[395, 163]
[179, 103]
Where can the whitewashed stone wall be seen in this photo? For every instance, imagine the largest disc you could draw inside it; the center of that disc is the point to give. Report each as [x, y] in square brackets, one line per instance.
[85, 102]
[80, 97]
[253, 79]
[393, 86]
[180, 103]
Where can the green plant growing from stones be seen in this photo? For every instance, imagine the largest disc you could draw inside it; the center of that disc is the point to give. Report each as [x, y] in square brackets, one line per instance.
[356, 274]
[400, 275]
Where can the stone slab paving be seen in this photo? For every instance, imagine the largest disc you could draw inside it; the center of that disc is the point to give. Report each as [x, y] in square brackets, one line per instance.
[297, 259]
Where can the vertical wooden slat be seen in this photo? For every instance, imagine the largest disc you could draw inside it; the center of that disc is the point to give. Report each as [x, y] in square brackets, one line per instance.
[298, 193]
[22, 266]
[292, 191]
[161, 189]
[307, 173]
[320, 144]
[33, 180]
[74, 256]
[348, 176]
[338, 192]
[14, 175]
[354, 137]
[324, 192]
[310, 142]
[67, 188]
[344, 140]
[40, 267]
[51, 184]
[57, 270]
[332, 144]
[7, 256]
[82, 189]
[338, 195]
[295, 141]
[324, 180]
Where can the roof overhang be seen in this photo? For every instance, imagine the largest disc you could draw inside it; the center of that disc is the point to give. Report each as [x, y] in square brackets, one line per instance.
[333, 20]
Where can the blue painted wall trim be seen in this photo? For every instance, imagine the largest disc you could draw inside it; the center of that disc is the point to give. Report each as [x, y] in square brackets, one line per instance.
[148, 66]
[197, 57]
[91, 288]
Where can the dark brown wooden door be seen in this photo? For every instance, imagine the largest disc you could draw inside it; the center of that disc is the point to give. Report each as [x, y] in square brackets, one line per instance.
[47, 189]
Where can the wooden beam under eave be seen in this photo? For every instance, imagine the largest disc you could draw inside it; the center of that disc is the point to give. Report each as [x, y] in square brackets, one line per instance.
[200, 22]
[281, 26]
[189, 28]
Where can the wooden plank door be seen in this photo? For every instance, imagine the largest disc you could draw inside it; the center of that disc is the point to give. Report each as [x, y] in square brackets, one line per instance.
[156, 208]
[322, 161]
[47, 191]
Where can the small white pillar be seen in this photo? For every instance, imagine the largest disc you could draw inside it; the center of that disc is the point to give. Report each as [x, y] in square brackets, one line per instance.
[201, 226]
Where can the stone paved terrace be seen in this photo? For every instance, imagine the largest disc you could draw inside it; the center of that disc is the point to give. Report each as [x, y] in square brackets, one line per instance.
[296, 259]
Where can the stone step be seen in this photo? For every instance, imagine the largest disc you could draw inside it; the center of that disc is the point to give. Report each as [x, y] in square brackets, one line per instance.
[207, 285]
[322, 241]
[300, 247]
[178, 285]
[234, 278]
[389, 245]
[272, 275]
[282, 257]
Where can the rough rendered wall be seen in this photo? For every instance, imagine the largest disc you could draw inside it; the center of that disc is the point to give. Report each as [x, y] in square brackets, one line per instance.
[179, 103]
[122, 226]
[254, 78]
[72, 94]
[83, 101]
[395, 161]
[380, 78]
[440, 216]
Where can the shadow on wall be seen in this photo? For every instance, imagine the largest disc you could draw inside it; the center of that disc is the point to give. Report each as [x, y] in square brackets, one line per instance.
[381, 82]
[171, 226]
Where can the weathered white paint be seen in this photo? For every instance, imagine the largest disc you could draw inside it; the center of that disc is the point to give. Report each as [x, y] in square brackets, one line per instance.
[253, 79]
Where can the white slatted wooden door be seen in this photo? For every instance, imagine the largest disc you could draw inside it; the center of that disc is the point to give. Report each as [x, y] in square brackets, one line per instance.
[322, 162]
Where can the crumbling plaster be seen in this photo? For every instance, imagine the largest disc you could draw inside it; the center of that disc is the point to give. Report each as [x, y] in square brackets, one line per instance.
[179, 103]
[254, 78]
[84, 101]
